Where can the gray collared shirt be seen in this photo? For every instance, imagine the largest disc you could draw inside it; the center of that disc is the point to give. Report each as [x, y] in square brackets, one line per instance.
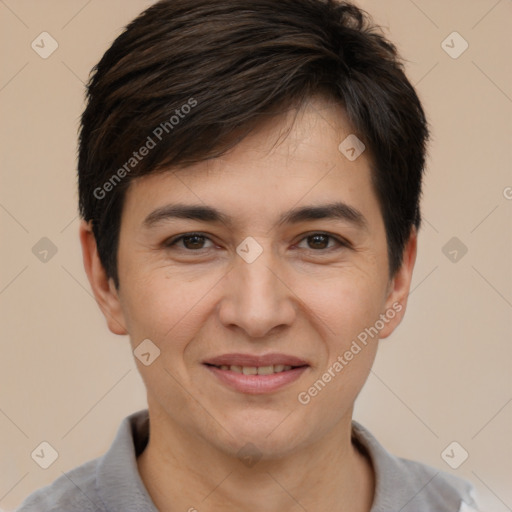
[111, 483]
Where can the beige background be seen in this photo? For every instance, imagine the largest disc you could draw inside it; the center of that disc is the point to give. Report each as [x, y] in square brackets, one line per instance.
[445, 375]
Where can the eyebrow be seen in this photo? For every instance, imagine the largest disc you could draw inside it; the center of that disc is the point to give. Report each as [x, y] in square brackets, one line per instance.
[336, 211]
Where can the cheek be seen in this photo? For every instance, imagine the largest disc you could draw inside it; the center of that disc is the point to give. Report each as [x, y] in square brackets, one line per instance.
[344, 302]
[165, 307]
[347, 309]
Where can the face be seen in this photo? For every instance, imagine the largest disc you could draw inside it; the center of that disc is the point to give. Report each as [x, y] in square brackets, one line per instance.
[267, 299]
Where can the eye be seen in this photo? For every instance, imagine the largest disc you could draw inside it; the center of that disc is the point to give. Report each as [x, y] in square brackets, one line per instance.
[320, 241]
[195, 242]
[191, 242]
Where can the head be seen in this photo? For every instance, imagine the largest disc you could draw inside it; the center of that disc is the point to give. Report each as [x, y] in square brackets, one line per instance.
[242, 110]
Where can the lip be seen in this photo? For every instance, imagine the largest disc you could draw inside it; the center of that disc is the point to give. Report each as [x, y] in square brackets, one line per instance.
[253, 360]
[256, 384]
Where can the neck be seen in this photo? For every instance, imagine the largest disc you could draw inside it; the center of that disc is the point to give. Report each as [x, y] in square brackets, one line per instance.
[185, 473]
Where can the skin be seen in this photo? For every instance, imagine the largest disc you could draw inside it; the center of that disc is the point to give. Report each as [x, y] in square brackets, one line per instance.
[301, 297]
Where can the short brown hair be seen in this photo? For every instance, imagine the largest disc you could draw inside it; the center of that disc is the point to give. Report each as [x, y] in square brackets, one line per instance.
[232, 64]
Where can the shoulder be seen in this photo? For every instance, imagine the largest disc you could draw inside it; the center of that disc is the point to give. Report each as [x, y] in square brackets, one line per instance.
[433, 488]
[411, 486]
[109, 482]
[73, 491]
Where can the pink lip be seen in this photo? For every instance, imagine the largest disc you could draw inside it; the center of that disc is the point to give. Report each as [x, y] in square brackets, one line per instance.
[252, 360]
[257, 384]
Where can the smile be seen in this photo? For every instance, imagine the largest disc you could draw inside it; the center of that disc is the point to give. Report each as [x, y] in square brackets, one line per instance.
[256, 374]
[254, 370]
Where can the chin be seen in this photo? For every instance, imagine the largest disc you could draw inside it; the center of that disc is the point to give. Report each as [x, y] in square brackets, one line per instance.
[270, 438]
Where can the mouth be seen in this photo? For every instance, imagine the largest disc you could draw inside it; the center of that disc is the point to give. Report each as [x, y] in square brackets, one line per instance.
[256, 370]
[256, 374]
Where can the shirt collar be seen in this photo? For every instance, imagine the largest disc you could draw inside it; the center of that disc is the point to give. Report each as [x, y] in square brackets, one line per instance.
[402, 484]
[121, 489]
[118, 481]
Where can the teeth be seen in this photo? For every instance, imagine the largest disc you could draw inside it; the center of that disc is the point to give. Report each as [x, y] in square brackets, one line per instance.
[260, 370]
[265, 370]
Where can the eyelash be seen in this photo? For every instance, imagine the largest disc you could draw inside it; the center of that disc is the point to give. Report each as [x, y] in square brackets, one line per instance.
[341, 242]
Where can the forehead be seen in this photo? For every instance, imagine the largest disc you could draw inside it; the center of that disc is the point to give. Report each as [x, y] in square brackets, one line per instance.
[290, 161]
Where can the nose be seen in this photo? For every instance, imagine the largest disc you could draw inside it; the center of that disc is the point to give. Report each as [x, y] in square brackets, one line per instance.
[256, 297]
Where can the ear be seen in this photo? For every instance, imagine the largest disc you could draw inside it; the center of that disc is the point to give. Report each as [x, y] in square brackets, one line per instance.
[102, 286]
[398, 288]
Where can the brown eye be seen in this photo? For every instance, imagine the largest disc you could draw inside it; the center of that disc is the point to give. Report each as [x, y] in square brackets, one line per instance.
[320, 242]
[190, 242]
[193, 241]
